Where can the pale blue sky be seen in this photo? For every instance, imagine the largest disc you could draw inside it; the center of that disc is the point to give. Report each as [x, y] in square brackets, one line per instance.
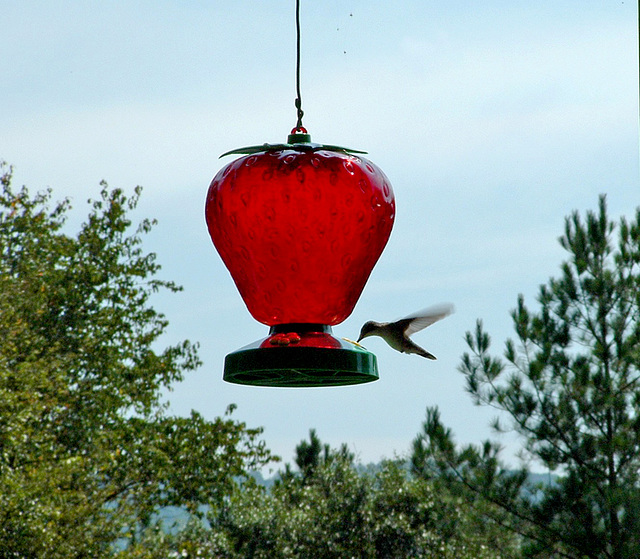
[493, 121]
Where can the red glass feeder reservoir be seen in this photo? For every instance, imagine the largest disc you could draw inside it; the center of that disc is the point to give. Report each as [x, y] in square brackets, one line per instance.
[300, 226]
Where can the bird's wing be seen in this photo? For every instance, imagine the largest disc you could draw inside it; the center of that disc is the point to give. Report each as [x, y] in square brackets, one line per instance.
[426, 317]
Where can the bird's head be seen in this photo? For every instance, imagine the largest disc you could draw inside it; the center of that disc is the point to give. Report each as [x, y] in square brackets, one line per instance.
[368, 329]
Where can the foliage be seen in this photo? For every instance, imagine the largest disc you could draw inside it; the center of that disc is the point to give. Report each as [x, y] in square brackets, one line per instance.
[571, 386]
[329, 509]
[86, 451]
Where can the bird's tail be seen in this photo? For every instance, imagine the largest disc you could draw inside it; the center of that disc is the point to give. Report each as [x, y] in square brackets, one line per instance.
[425, 353]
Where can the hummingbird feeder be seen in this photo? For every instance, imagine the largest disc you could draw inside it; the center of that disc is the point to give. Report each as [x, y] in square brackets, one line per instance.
[300, 227]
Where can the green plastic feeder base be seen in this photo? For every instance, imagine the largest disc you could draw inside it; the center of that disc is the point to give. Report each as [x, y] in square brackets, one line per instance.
[301, 356]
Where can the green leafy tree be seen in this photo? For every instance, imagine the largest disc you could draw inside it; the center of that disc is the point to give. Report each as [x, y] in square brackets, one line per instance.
[87, 454]
[334, 511]
[570, 384]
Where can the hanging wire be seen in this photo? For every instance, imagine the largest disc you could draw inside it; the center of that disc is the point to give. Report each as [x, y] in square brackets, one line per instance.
[298, 103]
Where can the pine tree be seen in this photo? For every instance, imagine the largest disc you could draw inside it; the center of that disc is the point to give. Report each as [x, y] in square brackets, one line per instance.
[570, 384]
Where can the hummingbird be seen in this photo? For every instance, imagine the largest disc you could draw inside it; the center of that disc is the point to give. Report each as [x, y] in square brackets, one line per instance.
[397, 333]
